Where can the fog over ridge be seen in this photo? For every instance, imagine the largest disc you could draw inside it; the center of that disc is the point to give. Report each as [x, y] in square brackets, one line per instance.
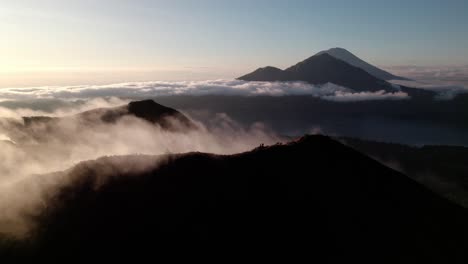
[43, 151]
[22, 191]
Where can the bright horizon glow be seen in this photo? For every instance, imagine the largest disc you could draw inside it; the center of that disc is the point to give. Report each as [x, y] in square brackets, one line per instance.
[55, 42]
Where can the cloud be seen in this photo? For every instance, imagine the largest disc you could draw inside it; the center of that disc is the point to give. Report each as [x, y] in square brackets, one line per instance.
[55, 108]
[435, 75]
[138, 90]
[447, 81]
[38, 150]
[444, 92]
[366, 96]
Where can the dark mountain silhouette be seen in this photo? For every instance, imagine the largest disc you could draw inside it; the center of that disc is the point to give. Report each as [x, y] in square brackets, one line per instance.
[313, 199]
[148, 110]
[348, 57]
[340, 67]
[267, 74]
[153, 112]
[40, 128]
[321, 69]
[441, 168]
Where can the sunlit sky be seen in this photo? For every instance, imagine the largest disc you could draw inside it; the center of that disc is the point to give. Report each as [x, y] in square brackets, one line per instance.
[55, 42]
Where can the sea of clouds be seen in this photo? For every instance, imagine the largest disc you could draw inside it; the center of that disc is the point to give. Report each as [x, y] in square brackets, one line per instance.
[23, 191]
[448, 75]
[447, 81]
[153, 89]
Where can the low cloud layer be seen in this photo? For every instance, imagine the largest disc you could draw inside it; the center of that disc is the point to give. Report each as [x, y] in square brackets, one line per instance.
[444, 92]
[366, 96]
[39, 149]
[447, 81]
[24, 157]
[447, 75]
[55, 108]
[196, 88]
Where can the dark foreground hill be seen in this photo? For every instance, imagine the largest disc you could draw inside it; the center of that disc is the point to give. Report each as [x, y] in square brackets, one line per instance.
[314, 200]
[442, 168]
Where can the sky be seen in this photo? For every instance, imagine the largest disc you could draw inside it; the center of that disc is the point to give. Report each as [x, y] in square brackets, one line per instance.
[58, 42]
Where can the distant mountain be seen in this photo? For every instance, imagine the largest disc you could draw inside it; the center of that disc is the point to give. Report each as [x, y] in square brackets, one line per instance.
[39, 128]
[321, 69]
[313, 199]
[348, 57]
[147, 110]
[267, 74]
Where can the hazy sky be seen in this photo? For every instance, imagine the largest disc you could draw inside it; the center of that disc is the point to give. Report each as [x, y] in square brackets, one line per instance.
[85, 41]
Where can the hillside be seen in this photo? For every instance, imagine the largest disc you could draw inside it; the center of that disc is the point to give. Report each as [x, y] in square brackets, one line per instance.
[313, 199]
[441, 168]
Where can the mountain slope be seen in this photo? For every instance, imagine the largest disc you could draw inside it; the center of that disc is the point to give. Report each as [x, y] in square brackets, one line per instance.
[348, 57]
[313, 199]
[147, 110]
[41, 128]
[441, 168]
[322, 69]
[266, 74]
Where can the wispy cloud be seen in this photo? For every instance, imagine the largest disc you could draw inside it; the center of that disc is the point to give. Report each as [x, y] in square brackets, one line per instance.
[446, 75]
[327, 91]
[366, 96]
[43, 148]
[447, 81]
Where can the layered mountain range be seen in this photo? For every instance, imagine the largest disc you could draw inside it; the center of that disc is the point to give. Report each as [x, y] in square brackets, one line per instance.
[337, 66]
[314, 198]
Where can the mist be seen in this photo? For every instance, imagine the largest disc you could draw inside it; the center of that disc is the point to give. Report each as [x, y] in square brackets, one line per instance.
[366, 96]
[30, 156]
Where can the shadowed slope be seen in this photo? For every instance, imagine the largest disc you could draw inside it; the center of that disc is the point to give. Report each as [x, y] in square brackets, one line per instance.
[344, 70]
[156, 113]
[266, 74]
[348, 57]
[148, 110]
[321, 69]
[313, 200]
[442, 168]
[325, 68]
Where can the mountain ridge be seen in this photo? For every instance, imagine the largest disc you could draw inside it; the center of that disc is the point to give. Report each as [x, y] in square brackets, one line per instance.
[321, 69]
[38, 128]
[290, 198]
[350, 58]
